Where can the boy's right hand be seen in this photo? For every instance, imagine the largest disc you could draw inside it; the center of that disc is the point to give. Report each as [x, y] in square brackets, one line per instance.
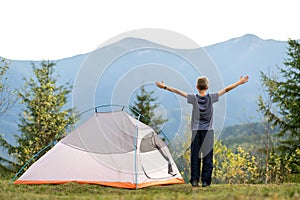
[160, 84]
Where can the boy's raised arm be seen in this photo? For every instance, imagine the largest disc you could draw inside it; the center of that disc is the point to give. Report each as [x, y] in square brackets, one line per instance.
[234, 85]
[171, 89]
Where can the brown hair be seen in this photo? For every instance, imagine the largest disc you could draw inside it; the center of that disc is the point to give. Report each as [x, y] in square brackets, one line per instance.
[202, 83]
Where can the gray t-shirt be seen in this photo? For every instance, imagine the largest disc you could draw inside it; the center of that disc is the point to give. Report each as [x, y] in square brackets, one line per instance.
[202, 114]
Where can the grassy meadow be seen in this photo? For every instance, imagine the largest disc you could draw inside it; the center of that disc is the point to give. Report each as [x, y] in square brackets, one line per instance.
[183, 191]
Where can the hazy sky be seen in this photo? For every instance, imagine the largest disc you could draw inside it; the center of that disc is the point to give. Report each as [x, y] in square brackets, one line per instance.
[54, 29]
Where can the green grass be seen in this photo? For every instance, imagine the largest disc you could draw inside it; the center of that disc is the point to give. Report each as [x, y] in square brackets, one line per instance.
[184, 191]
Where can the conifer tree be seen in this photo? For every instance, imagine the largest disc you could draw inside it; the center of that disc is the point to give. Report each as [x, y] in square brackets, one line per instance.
[44, 117]
[145, 105]
[284, 92]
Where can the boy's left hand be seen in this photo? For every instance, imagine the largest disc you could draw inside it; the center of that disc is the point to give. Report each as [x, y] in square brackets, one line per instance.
[244, 79]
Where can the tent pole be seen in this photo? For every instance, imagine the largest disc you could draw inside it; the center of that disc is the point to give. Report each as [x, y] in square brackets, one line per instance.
[135, 152]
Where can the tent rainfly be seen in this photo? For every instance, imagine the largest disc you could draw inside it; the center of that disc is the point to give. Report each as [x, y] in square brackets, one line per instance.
[110, 149]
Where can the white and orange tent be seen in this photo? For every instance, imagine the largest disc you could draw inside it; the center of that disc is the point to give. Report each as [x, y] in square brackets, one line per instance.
[110, 149]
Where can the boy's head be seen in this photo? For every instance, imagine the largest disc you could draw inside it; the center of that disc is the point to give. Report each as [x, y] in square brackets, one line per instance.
[202, 83]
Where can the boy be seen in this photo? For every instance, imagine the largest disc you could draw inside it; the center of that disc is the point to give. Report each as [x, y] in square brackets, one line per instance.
[201, 125]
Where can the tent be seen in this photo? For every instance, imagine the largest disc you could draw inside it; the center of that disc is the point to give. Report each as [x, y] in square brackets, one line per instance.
[110, 149]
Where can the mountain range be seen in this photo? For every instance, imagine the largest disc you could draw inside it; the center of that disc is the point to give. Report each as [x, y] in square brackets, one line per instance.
[114, 73]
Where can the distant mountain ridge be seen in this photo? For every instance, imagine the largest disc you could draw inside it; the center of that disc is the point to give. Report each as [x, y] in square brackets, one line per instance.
[235, 57]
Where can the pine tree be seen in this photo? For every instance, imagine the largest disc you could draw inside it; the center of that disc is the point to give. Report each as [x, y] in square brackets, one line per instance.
[284, 92]
[145, 105]
[44, 117]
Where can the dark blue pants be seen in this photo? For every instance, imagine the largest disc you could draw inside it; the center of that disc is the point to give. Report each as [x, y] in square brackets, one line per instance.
[202, 150]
